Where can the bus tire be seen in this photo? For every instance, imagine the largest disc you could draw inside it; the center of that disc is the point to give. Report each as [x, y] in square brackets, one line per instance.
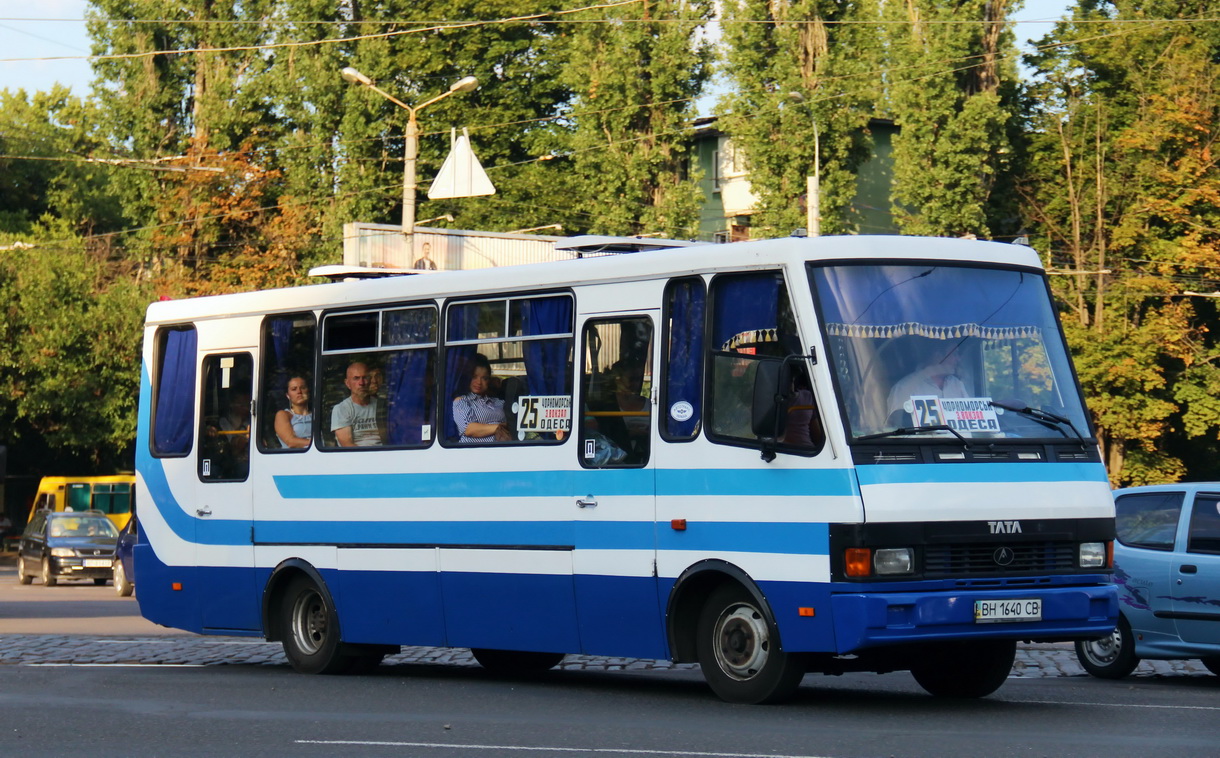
[22, 576]
[515, 662]
[967, 669]
[740, 652]
[1110, 657]
[48, 579]
[311, 629]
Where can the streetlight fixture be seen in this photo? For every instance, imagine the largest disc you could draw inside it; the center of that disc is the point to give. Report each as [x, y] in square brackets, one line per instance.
[813, 182]
[465, 84]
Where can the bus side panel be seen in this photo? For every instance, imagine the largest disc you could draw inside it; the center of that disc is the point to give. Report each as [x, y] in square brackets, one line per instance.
[389, 607]
[158, 599]
[626, 619]
[531, 612]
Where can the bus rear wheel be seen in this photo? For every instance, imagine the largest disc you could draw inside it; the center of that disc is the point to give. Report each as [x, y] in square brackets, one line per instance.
[310, 629]
[740, 653]
[968, 669]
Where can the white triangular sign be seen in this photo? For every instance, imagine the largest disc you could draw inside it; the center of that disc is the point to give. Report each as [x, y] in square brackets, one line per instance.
[461, 174]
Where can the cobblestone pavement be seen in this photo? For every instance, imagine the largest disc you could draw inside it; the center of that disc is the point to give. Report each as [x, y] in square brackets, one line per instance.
[1033, 660]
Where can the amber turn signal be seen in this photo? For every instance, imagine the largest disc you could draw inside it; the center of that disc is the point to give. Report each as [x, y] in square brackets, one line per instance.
[858, 561]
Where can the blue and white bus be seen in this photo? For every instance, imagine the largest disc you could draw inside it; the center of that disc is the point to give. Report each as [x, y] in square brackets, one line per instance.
[774, 457]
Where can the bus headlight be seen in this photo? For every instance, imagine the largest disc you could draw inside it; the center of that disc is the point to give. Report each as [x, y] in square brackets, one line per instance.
[63, 552]
[896, 560]
[1092, 555]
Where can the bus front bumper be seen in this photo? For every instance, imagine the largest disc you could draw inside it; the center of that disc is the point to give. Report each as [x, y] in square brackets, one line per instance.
[874, 619]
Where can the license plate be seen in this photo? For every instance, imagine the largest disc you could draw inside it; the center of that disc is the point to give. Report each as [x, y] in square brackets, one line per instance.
[1017, 609]
[97, 563]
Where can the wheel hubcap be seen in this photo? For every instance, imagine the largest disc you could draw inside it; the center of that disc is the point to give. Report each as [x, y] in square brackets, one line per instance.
[742, 642]
[1104, 651]
[309, 622]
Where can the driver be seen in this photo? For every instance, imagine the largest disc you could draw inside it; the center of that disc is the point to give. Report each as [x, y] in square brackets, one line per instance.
[937, 376]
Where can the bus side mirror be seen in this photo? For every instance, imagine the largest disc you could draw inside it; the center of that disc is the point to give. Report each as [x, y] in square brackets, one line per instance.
[772, 381]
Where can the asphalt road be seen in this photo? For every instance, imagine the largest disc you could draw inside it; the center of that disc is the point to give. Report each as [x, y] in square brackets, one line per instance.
[84, 675]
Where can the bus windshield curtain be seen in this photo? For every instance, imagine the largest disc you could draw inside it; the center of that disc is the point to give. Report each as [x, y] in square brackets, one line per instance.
[176, 394]
[922, 299]
[684, 364]
[546, 361]
[745, 304]
[462, 324]
[407, 373]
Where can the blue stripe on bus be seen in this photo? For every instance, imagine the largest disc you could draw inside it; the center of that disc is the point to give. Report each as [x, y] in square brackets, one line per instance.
[976, 473]
[757, 537]
[607, 483]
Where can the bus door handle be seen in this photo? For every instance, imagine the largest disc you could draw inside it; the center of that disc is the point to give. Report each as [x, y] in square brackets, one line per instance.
[204, 511]
[587, 502]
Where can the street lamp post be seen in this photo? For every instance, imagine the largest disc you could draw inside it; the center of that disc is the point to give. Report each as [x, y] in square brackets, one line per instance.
[465, 84]
[813, 181]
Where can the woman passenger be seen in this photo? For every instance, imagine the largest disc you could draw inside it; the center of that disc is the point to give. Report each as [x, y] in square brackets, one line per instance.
[294, 425]
[478, 416]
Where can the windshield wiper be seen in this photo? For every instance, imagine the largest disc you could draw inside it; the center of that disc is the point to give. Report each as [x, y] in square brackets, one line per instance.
[906, 430]
[1046, 418]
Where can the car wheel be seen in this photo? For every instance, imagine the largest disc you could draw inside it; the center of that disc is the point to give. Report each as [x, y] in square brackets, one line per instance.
[515, 661]
[48, 579]
[1111, 657]
[1212, 663]
[967, 669]
[740, 652]
[310, 628]
[122, 587]
[22, 575]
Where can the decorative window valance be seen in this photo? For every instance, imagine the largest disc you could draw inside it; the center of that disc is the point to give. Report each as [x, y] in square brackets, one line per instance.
[916, 329]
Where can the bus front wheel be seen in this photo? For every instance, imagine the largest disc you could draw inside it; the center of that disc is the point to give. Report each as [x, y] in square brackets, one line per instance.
[310, 628]
[740, 653]
[964, 669]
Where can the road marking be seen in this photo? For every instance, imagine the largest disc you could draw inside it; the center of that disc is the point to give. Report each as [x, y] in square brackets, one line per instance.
[1122, 705]
[118, 665]
[526, 748]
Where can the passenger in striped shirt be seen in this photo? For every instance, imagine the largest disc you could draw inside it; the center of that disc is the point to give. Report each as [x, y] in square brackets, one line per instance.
[478, 416]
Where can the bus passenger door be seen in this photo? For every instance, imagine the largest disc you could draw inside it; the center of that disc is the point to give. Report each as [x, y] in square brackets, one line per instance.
[616, 594]
[223, 517]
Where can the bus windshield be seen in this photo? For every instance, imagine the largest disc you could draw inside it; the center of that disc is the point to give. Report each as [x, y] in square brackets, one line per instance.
[971, 352]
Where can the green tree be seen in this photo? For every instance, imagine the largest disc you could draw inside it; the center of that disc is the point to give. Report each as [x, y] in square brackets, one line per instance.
[53, 136]
[806, 74]
[69, 368]
[509, 115]
[1123, 186]
[636, 72]
[952, 91]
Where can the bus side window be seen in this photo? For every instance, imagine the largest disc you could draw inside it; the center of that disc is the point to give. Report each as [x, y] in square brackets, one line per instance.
[751, 319]
[527, 343]
[287, 354]
[173, 415]
[224, 434]
[682, 392]
[616, 403]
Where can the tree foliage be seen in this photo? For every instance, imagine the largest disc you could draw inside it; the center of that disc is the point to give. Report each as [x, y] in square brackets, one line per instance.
[1123, 184]
[952, 92]
[806, 75]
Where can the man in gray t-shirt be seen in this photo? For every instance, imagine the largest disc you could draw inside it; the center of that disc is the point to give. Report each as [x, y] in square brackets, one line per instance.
[354, 421]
